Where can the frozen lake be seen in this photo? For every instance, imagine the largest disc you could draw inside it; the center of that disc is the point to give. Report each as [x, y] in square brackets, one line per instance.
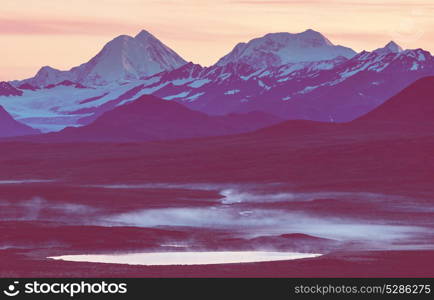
[187, 258]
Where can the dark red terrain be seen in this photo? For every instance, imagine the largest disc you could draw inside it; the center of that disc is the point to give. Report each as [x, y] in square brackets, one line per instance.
[360, 193]
[151, 119]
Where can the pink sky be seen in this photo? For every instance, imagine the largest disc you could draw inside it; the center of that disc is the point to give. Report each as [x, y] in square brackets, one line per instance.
[64, 33]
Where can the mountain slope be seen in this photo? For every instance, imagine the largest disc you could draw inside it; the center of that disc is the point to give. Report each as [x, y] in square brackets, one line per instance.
[349, 89]
[149, 119]
[409, 113]
[10, 127]
[6, 89]
[413, 105]
[276, 49]
[122, 59]
[337, 90]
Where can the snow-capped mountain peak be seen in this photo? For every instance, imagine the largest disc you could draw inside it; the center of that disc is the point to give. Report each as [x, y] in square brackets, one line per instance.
[276, 49]
[129, 58]
[122, 59]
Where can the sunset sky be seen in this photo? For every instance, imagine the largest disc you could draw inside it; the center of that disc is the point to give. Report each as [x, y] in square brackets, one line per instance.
[65, 33]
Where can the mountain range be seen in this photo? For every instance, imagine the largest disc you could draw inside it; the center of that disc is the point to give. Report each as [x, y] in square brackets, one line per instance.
[301, 76]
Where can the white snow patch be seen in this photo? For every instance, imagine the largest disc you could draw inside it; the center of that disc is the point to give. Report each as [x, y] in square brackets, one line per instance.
[349, 73]
[179, 82]
[146, 91]
[307, 89]
[245, 78]
[232, 92]
[180, 95]
[414, 67]
[224, 76]
[323, 66]
[266, 73]
[378, 67]
[421, 57]
[291, 68]
[283, 79]
[195, 96]
[199, 83]
[262, 84]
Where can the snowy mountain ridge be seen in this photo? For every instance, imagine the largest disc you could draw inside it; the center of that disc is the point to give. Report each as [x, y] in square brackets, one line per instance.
[339, 89]
[276, 49]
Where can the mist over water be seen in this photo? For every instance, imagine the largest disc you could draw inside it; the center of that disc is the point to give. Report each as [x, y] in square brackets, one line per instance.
[26, 181]
[40, 209]
[236, 209]
[188, 186]
[266, 222]
[234, 195]
[260, 217]
[252, 192]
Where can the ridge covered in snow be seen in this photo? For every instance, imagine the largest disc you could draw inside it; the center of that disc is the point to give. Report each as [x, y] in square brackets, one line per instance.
[338, 89]
[276, 49]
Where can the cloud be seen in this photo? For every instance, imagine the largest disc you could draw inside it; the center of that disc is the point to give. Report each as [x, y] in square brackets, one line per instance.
[17, 26]
[337, 2]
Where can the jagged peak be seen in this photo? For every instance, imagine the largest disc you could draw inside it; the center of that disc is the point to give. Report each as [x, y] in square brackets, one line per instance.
[47, 68]
[394, 47]
[390, 47]
[144, 34]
